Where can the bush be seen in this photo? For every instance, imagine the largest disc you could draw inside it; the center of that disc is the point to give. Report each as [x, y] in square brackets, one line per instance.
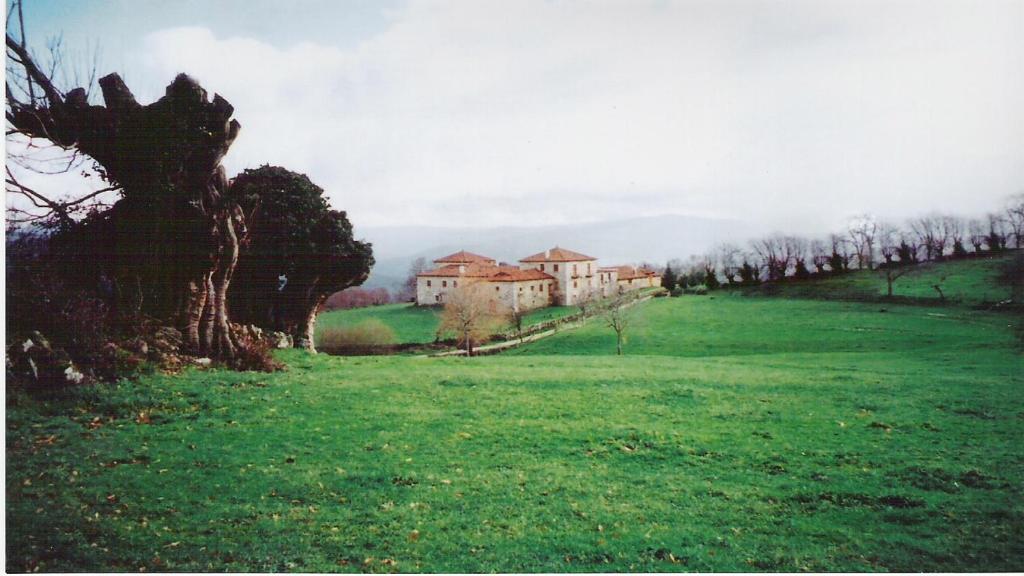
[367, 334]
[699, 290]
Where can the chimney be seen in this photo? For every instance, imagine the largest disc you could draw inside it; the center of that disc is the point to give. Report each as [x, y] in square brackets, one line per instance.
[547, 253]
[462, 269]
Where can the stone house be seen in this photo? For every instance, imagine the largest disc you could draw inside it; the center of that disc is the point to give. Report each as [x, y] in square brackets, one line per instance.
[554, 277]
[633, 278]
[573, 272]
[512, 287]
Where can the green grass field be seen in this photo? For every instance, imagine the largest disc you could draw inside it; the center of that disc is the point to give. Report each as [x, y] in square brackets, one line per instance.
[416, 324]
[736, 434]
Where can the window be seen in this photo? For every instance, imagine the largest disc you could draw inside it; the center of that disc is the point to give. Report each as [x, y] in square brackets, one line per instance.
[428, 283]
[556, 267]
[532, 287]
[574, 272]
[542, 267]
[575, 284]
[541, 287]
[444, 283]
[588, 267]
[455, 283]
[496, 288]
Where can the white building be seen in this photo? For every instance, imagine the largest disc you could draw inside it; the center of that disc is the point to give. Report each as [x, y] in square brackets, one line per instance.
[554, 277]
[513, 288]
[573, 272]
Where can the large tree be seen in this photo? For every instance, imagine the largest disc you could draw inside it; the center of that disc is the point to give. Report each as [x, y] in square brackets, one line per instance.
[170, 242]
[300, 253]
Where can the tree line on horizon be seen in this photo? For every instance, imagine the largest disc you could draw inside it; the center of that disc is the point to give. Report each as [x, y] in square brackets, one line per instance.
[867, 243]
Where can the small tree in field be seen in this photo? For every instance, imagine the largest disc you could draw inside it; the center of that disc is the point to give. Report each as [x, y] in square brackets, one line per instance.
[468, 315]
[587, 300]
[616, 316]
[893, 272]
[515, 317]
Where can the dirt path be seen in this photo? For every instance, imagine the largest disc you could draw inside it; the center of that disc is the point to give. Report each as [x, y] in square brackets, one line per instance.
[501, 346]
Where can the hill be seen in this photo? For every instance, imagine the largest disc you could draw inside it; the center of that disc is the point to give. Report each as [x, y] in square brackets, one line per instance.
[976, 282]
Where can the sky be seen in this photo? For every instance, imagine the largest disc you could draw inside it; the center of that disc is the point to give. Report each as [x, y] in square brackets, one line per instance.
[793, 114]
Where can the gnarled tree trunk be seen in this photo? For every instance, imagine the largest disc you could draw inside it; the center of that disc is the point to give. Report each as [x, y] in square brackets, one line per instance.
[174, 232]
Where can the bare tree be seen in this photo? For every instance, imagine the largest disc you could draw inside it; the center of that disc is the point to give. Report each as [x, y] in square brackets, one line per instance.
[953, 229]
[819, 255]
[929, 235]
[795, 251]
[29, 153]
[1015, 218]
[515, 317]
[729, 260]
[997, 232]
[976, 234]
[862, 230]
[772, 251]
[467, 313]
[617, 317]
[888, 242]
[408, 292]
[892, 273]
[587, 299]
[839, 260]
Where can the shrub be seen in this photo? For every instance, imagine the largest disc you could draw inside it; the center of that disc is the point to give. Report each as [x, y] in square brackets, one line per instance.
[699, 290]
[367, 334]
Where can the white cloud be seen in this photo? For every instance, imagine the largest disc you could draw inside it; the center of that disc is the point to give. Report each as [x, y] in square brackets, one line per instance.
[477, 113]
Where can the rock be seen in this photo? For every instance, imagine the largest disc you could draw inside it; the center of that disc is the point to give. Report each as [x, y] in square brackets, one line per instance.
[280, 340]
[40, 341]
[138, 345]
[204, 362]
[71, 374]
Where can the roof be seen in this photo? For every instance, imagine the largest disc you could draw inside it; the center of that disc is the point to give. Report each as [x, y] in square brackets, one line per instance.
[512, 274]
[487, 272]
[463, 257]
[631, 272]
[557, 254]
[468, 271]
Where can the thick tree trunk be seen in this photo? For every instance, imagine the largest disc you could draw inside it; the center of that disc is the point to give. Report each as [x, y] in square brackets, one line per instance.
[166, 158]
[306, 328]
[196, 304]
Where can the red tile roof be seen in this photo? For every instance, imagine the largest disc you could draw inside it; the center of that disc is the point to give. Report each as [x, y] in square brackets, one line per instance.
[467, 270]
[512, 274]
[486, 272]
[463, 257]
[630, 272]
[557, 254]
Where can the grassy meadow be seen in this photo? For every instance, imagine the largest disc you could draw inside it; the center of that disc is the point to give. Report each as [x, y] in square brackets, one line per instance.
[737, 434]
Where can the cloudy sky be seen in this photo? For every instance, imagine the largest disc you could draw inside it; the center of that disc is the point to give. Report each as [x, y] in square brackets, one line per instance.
[478, 113]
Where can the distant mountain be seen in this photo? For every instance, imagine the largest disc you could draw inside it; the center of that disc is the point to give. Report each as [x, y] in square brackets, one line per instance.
[653, 239]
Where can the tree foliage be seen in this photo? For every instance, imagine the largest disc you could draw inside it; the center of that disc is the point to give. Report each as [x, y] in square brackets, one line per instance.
[300, 252]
